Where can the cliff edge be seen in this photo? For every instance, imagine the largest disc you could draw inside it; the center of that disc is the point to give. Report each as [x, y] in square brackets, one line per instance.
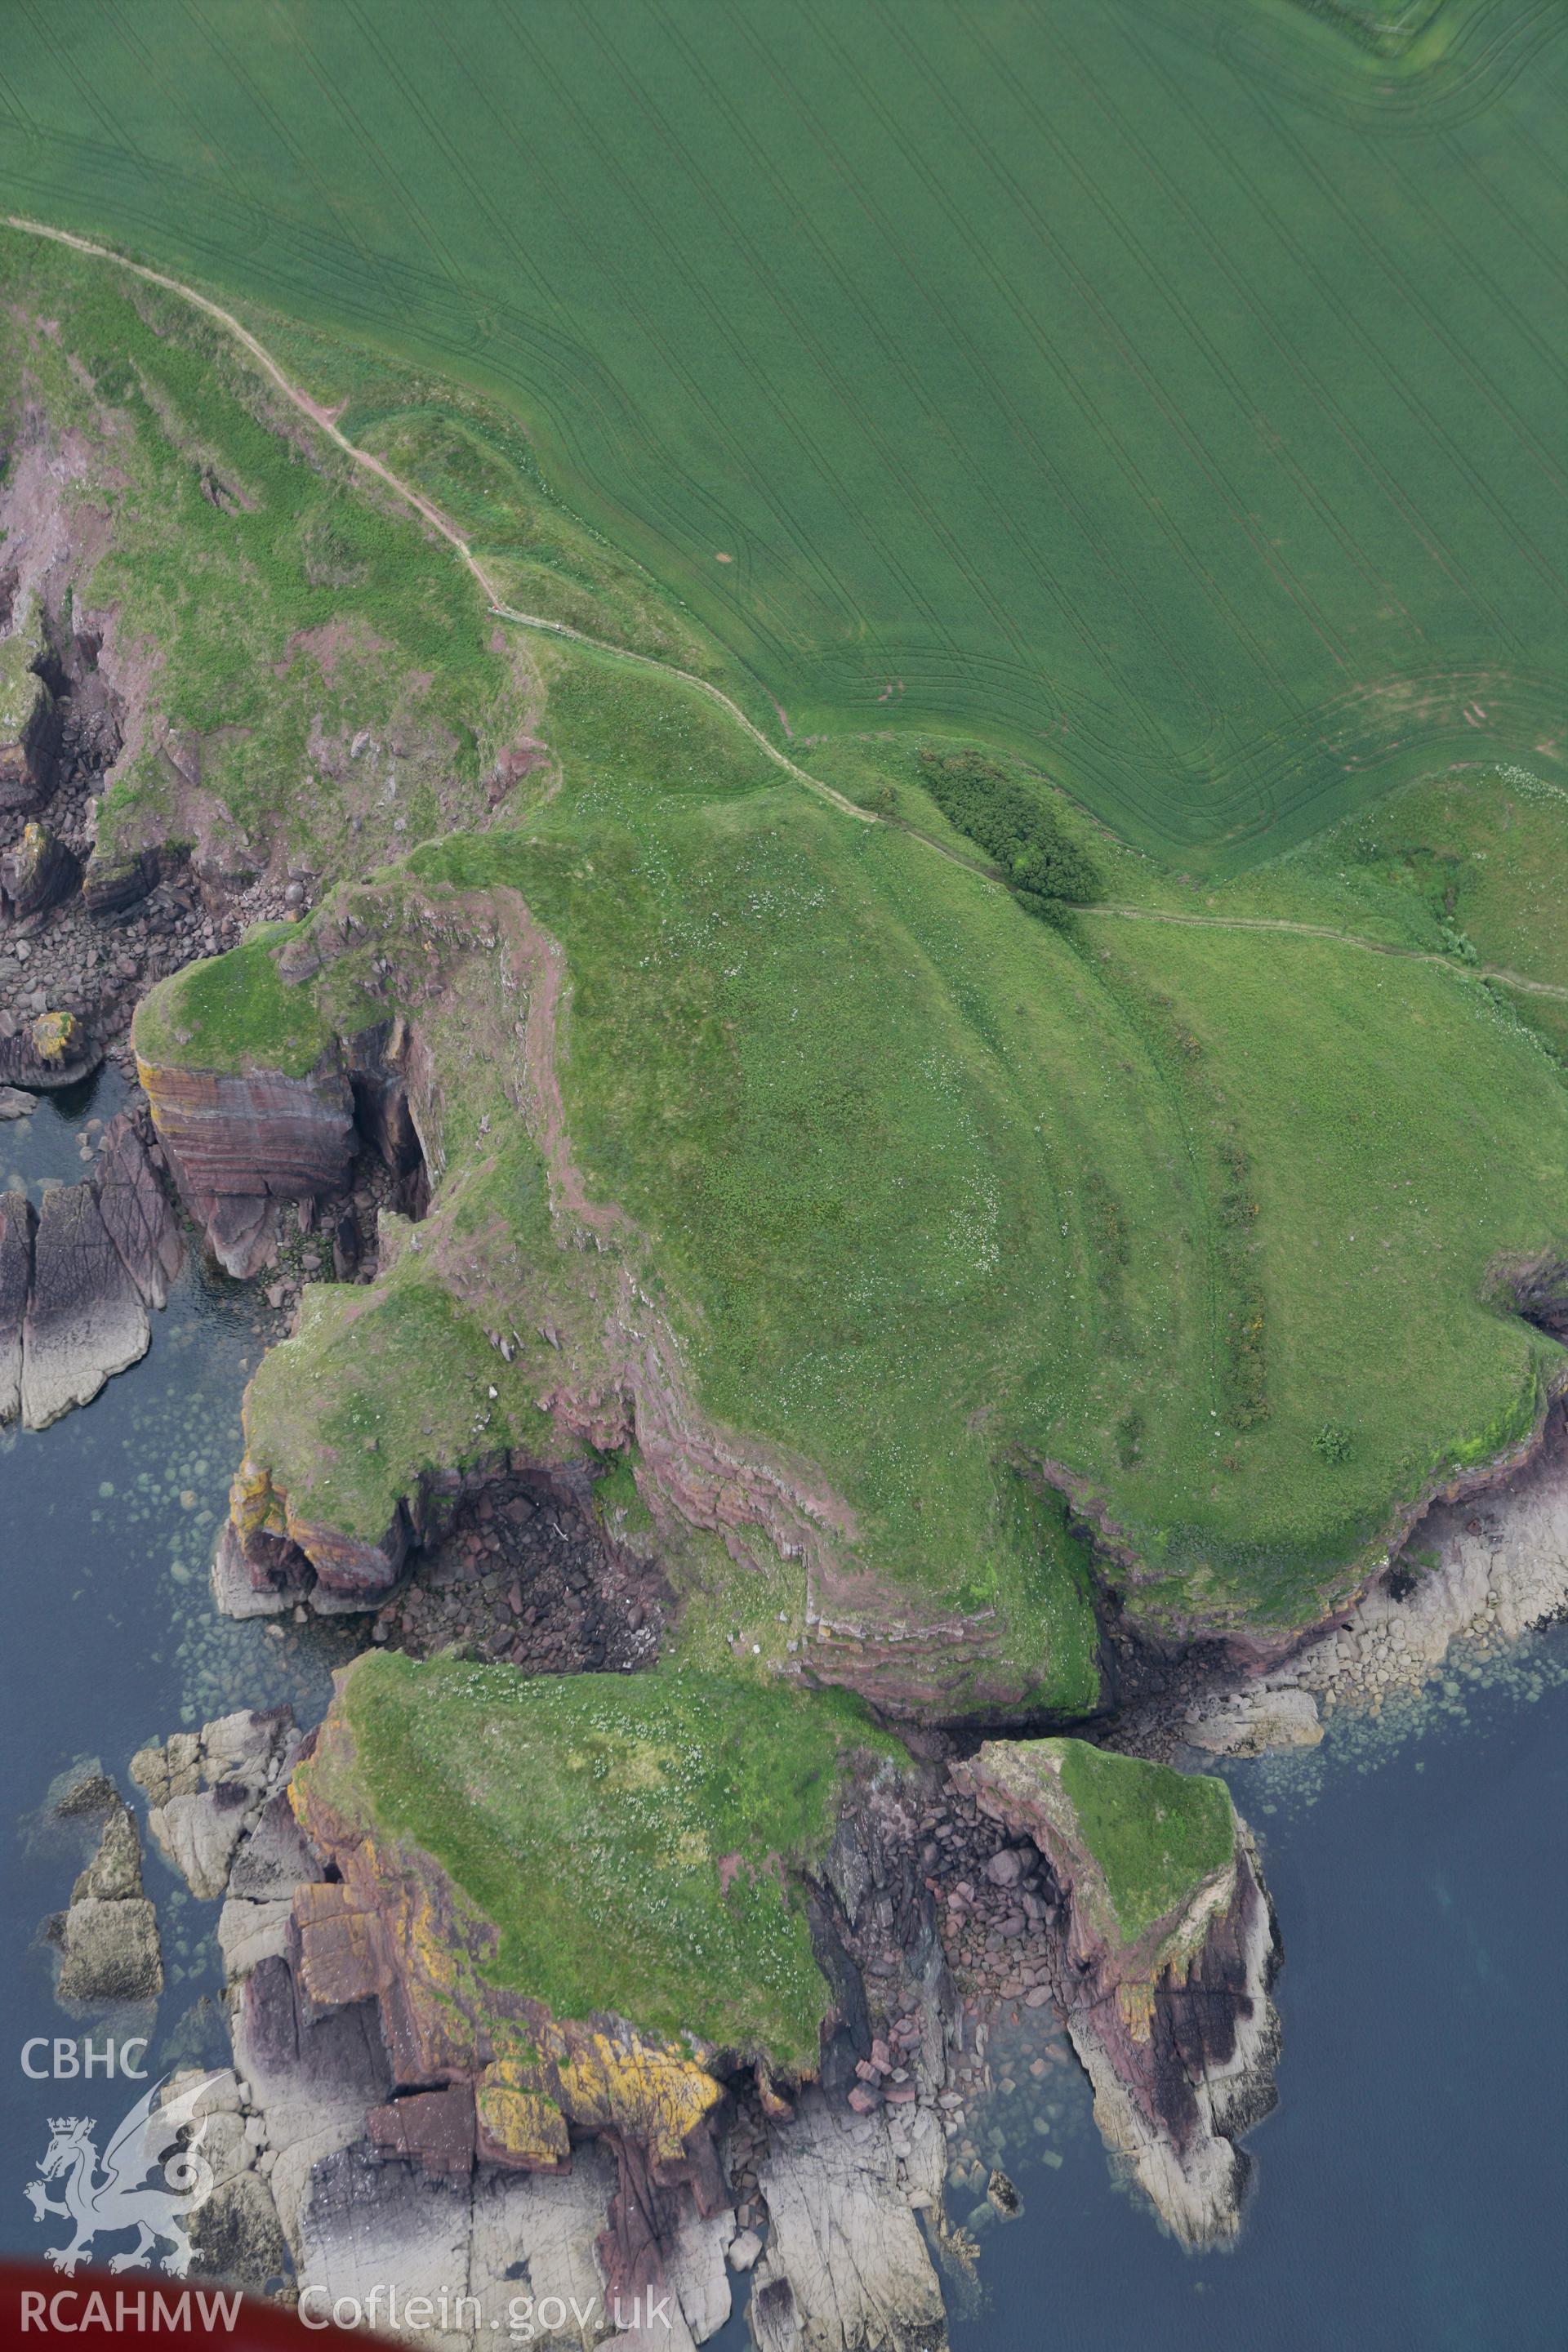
[1170, 1951]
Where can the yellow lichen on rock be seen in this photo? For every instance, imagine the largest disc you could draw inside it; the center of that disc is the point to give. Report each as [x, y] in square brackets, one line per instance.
[647, 2089]
[53, 1036]
[523, 2126]
[254, 1505]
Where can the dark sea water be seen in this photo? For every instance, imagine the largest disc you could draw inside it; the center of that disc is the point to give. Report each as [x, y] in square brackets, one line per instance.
[108, 1522]
[1411, 2187]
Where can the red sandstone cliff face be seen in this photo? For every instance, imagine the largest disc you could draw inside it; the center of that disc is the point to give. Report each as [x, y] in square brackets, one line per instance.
[269, 1556]
[236, 1143]
[1176, 2028]
[484, 2075]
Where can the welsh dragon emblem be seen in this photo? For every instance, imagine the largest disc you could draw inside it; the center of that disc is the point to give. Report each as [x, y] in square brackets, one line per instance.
[104, 2196]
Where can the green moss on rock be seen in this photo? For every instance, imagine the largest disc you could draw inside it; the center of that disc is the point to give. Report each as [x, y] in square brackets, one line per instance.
[21, 688]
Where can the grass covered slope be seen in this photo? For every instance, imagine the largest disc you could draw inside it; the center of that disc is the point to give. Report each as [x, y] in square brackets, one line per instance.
[950, 1189]
[1202, 436]
[235, 1015]
[939, 1203]
[1154, 1834]
[636, 1841]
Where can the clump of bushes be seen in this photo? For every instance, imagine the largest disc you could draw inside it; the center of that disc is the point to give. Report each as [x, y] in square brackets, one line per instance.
[1043, 865]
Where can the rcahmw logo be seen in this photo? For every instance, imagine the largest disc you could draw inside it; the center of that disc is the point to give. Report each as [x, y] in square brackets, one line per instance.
[104, 2196]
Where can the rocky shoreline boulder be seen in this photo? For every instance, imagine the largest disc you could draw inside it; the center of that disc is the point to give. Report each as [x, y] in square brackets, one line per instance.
[77, 1280]
[84, 1319]
[205, 1790]
[17, 1224]
[108, 1939]
[136, 1212]
[36, 873]
[46, 1051]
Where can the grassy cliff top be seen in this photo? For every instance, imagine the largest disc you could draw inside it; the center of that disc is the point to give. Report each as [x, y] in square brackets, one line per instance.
[234, 1013]
[295, 638]
[1205, 1216]
[636, 1840]
[1209, 1219]
[1156, 1834]
[1205, 1219]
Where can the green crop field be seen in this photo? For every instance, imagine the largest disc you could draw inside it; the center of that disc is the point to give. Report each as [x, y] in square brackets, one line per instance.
[1168, 390]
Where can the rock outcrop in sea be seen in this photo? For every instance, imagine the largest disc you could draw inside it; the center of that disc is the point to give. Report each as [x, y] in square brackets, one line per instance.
[76, 1279]
[381, 2137]
[1170, 1951]
[108, 1939]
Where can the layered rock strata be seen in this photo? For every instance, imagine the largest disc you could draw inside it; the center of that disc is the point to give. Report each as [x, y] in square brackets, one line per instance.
[238, 1143]
[1169, 2016]
[361, 2133]
[36, 873]
[78, 1279]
